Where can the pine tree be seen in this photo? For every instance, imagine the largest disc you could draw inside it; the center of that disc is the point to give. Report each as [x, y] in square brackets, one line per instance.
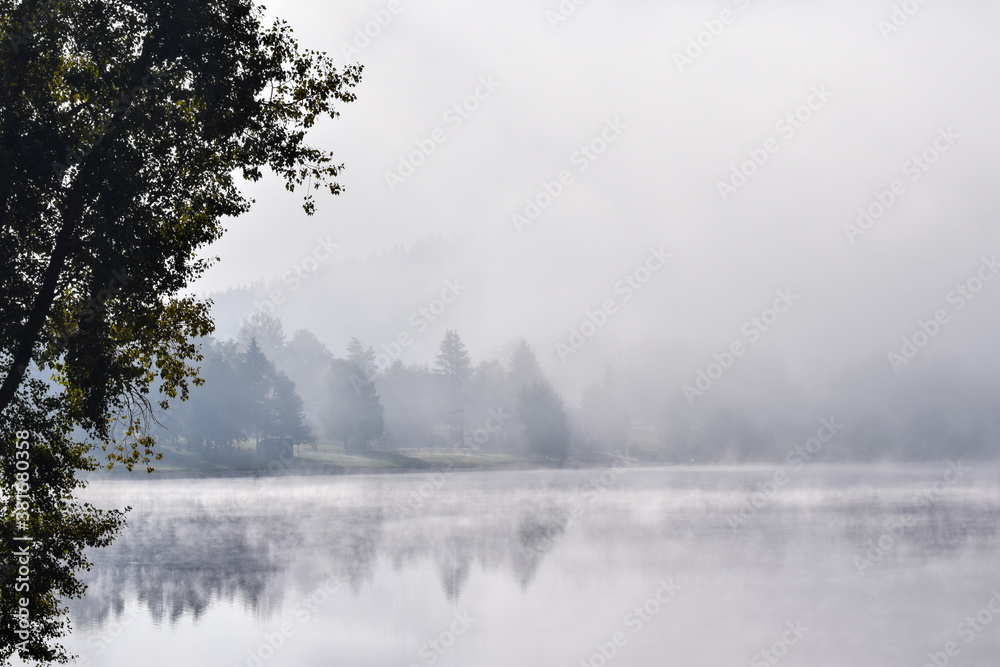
[271, 408]
[289, 415]
[524, 367]
[364, 359]
[454, 367]
[257, 373]
[453, 363]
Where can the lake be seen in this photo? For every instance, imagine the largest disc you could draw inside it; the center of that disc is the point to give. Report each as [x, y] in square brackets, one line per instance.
[632, 567]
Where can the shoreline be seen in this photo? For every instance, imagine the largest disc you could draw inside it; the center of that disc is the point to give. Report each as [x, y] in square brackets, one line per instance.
[518, 466]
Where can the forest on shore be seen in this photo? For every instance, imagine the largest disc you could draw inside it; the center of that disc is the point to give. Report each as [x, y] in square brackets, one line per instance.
[264, 385]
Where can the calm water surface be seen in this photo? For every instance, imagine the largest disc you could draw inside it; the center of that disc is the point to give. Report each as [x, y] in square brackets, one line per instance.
[647, 566]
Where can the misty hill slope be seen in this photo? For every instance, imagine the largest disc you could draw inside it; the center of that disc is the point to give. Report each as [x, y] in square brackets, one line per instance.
[375, 298]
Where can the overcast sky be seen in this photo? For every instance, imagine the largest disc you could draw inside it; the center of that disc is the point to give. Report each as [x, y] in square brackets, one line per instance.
[833, 100]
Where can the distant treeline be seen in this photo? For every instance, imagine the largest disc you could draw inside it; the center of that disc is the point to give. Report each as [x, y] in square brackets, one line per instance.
[264, 385]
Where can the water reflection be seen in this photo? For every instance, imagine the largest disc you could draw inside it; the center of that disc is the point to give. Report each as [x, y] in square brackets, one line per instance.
[256, 545]
[187, 545]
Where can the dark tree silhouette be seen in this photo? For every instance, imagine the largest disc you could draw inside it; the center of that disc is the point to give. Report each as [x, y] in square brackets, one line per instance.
[125, 128]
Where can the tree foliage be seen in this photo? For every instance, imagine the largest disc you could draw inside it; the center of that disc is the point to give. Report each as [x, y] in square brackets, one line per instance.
[355, 414]
[271, 407]
[543, 421]
[216, 418]
[125, 127]
[524, 367]
[244, 396]
[454, 367]
[453, 363]
[306, 360]
[264, 328]
[364, 359]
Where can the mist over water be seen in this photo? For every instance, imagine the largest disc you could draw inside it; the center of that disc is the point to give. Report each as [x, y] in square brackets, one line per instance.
[701, 297]
[695, 565]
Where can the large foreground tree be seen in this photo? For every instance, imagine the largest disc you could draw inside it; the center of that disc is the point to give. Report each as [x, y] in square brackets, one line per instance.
[125, 128]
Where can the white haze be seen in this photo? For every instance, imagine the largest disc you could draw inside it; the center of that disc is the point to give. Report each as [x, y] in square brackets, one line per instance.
[655, 185]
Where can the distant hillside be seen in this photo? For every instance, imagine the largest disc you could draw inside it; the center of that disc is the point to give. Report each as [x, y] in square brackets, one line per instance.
[373, 298]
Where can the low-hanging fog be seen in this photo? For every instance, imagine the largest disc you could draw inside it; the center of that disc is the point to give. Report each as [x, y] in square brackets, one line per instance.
[893, 105]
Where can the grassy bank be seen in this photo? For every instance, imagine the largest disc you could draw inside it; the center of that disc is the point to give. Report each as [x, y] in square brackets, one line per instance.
[333, 460]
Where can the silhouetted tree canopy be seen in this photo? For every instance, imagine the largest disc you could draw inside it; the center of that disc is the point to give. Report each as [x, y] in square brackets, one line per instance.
[125, 127]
